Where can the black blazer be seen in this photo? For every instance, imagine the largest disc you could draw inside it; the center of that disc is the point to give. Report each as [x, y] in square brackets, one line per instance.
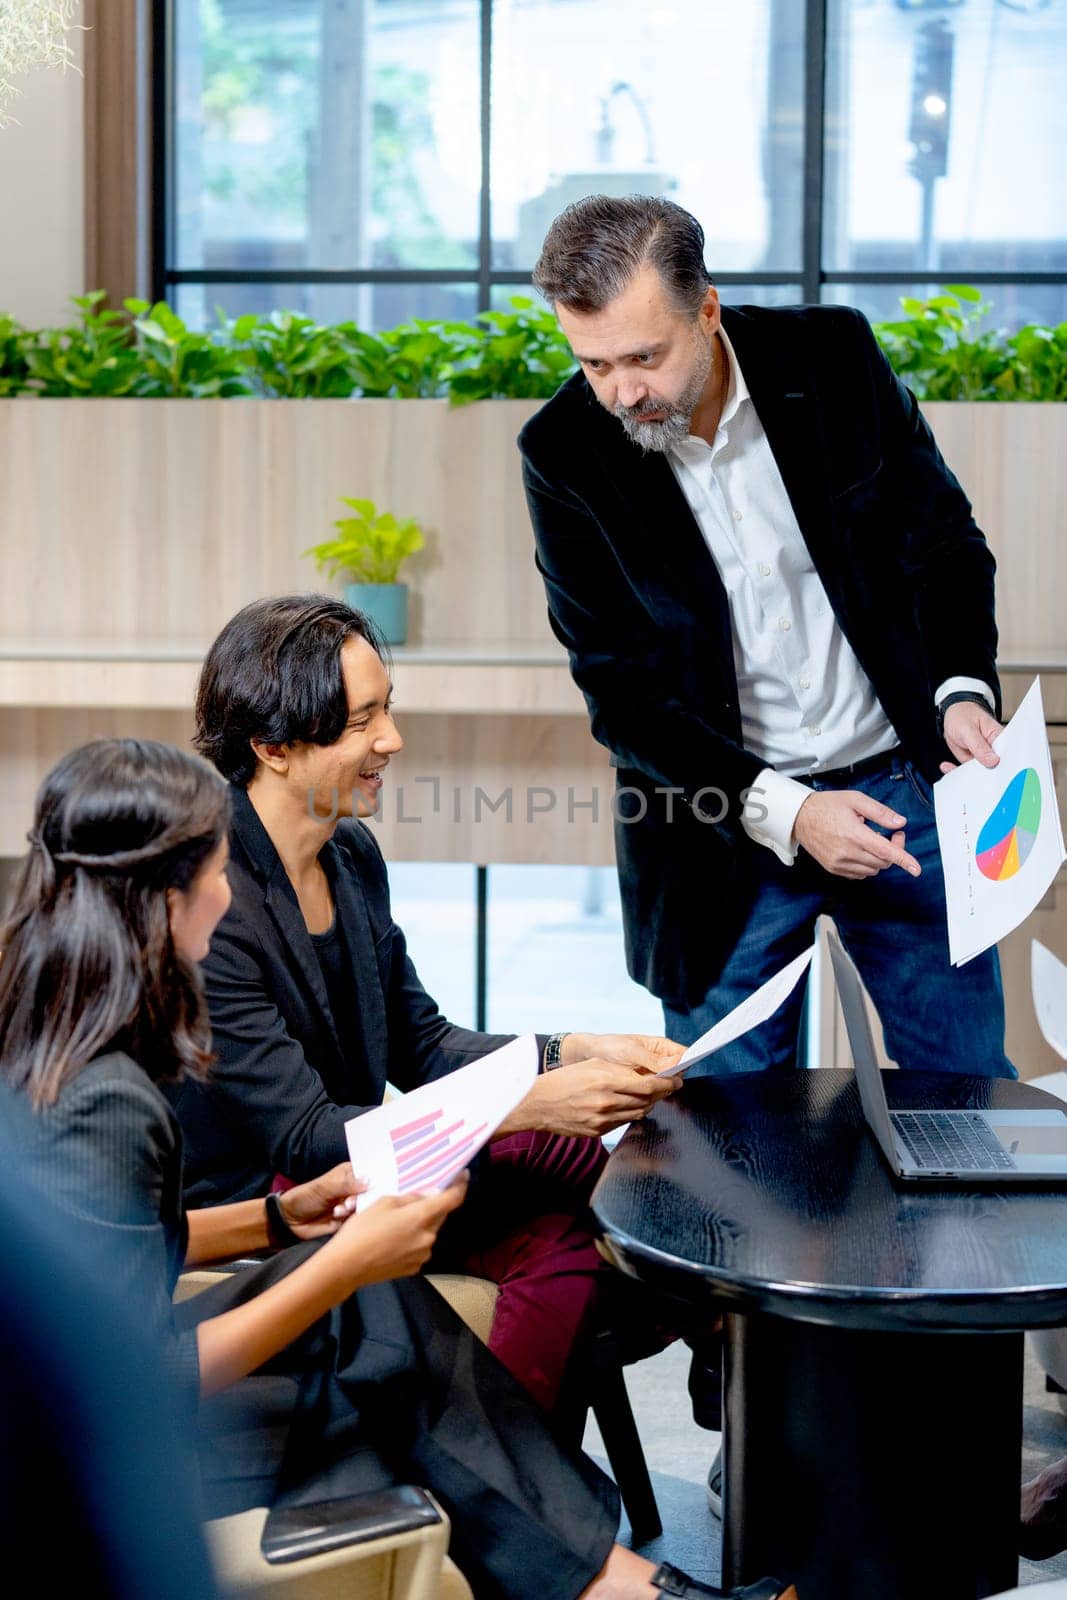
[284, 1083]
[86, 1423]
[636, 598]
[109, 1152]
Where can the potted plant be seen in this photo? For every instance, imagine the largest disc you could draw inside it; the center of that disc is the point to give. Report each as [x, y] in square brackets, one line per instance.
[371, 546]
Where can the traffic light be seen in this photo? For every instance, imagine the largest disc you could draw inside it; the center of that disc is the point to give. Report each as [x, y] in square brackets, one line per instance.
[931, 100]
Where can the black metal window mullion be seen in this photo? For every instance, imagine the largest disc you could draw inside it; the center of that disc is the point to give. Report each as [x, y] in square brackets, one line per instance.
[161, 113]
[814, 146]
[485, 211]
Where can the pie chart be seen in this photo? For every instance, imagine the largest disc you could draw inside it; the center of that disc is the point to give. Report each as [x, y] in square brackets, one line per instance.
[1010, 831]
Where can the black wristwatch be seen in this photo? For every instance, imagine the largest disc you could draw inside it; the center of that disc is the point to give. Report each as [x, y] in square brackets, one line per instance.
[278, 1230]
[955, 699]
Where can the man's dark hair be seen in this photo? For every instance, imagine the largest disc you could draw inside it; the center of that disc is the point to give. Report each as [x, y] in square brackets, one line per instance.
[595, 247]
[274, 673]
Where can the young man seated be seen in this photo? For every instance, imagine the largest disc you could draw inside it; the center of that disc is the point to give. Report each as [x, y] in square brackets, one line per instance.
[315, 1003]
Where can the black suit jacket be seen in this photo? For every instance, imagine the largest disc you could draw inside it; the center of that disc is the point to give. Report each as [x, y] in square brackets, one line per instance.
[284, 1082]
[109, 1152]
[91, 1449]
[636, 598]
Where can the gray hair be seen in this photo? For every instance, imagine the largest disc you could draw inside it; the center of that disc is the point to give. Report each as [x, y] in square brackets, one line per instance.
[597, 245]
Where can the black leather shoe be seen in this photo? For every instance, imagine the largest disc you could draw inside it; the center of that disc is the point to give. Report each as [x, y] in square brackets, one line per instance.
[671, 1581]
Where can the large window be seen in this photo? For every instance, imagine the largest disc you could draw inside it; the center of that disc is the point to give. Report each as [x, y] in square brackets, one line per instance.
[381, 159]
[517, 948]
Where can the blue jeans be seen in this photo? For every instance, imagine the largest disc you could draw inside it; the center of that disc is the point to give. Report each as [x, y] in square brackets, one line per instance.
[936, 1017]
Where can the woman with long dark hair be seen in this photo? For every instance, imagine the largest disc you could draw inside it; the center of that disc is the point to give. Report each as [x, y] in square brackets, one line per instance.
[100, 1001]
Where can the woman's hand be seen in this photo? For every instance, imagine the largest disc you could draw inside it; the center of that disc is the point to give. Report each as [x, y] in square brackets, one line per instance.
[391, 1239]
[321, 1206]
[394, 1237]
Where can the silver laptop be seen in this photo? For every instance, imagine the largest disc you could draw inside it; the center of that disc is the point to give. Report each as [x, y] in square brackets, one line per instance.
[965, 1146]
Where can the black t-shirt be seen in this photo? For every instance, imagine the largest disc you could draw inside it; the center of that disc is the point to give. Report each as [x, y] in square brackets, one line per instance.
[336, 969]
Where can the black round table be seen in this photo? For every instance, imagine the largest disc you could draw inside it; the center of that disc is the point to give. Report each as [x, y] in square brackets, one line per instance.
[873, 1330]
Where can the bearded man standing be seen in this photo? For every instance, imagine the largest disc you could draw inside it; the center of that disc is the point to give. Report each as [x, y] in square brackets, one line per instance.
[780, 611]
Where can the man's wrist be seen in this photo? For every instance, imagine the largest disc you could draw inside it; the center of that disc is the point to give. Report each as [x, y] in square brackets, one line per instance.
[770, 812]
[960, 697]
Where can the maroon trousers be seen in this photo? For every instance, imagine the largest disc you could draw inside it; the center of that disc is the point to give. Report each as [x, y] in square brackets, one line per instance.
[527, 1227]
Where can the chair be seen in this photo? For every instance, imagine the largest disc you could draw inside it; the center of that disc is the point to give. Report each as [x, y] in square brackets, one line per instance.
[403, 1566]
[474, 1299]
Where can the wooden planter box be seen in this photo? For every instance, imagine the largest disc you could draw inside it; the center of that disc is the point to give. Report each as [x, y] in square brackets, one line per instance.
[137, 520]
[131, 530]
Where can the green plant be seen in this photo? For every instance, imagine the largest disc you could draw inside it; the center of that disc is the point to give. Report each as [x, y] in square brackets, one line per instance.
[371, 546]
[293, 357]
[14, 366]
[939, 349]
[519, 354]
[939, 346]
[93, 356]
[1038, 363]
[177, 363]
[417, 355]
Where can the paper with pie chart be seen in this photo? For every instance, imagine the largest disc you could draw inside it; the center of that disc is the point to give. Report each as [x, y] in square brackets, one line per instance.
[417, 1143]
[1000, 835]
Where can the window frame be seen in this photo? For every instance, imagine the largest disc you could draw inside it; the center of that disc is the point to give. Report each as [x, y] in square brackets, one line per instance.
[810, 276]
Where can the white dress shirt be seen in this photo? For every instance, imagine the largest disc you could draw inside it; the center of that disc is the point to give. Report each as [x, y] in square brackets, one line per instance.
[806, 703]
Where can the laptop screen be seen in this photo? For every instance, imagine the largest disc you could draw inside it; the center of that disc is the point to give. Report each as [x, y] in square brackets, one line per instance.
[861, 1043]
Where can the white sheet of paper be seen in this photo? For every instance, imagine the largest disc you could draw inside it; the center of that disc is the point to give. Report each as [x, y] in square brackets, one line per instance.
[1048, 984]
[418, 1142]
[758, 1006]
[999, 832]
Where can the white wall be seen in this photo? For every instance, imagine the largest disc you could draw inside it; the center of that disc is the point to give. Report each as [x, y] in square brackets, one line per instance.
[42, 207]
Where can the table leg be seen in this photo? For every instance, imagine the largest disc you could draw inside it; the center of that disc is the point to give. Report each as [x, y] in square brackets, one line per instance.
[872, 1466]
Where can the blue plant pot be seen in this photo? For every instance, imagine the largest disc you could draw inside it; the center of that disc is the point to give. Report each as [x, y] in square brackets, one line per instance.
[386, 604]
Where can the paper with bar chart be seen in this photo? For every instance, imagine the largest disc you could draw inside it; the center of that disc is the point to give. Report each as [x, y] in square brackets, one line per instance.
[999, 832]
[418, 1142]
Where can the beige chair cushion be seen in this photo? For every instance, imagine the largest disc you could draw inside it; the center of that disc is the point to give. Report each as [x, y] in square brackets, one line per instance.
[191, 1283]
[473, 1299]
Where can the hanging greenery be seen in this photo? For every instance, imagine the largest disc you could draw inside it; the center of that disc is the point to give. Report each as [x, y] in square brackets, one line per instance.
[33, 33]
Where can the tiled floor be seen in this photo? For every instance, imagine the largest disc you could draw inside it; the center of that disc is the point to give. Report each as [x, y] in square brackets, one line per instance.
[679, 1454]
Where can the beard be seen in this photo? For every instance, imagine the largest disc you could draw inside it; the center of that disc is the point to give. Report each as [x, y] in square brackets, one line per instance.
[673, 425]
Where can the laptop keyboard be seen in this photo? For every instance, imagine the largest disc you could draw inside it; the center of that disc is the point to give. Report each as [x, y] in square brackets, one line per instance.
[953, 1141]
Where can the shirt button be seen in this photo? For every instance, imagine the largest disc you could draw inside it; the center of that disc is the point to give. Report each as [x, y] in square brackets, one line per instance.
[805, 683]
[765, 570]
[816, 731]
[785, 624]
[737, 516]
